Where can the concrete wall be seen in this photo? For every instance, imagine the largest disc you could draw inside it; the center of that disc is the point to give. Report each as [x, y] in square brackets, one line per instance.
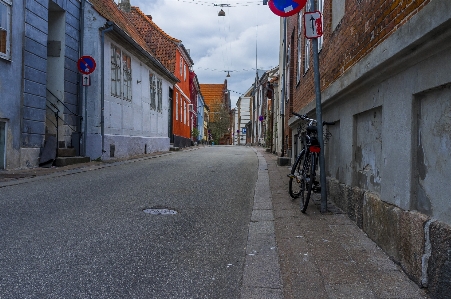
[388, 159]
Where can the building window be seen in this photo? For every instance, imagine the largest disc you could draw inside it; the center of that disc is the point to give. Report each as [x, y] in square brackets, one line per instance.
[5, 29]
[116, 84]
[184, 113]
[288, 79]
[181, 67]
[307, 55]
[184, 72]
[176, 106]
[338, 12]
[160, 94]
[299, 54]
[307, 44]
[153, 90]
[121, 74]
[127, 68]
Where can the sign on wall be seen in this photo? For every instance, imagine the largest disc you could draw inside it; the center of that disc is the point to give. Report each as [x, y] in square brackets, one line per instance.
[86, 65]
[313, 24]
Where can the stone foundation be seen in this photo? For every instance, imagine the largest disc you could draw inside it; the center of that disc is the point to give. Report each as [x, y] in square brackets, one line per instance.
[420, 245]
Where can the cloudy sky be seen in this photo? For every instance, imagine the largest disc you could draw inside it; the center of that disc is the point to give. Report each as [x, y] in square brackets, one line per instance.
[221, 44]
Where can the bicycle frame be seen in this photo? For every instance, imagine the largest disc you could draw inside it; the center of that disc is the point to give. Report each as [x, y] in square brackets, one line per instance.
[303, 172]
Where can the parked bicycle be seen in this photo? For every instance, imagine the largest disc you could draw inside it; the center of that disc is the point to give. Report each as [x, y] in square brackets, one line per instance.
[303, 172]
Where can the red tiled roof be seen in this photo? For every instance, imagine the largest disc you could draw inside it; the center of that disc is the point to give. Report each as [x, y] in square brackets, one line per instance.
[161, 44]
[213, 96]
[110, 11]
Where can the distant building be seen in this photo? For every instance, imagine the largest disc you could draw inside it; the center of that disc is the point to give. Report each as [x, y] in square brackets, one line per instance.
[243, 107]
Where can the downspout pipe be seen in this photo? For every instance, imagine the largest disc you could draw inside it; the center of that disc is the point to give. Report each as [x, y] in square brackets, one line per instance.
[282, 98]
[109, 27]
[82, 119]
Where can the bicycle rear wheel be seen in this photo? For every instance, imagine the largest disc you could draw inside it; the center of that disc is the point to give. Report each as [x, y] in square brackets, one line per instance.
[309, 174]
[296, 185]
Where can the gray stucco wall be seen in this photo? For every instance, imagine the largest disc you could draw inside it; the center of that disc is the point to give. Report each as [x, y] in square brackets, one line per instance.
[388, 161]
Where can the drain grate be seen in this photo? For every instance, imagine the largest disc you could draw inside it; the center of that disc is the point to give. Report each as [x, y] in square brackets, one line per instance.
[160, 211]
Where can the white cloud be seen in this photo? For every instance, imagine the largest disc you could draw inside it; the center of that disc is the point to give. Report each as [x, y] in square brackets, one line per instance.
[218, 44]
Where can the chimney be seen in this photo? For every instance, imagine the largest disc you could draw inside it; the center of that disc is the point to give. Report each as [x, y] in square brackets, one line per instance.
[124, 5]
[149, 16]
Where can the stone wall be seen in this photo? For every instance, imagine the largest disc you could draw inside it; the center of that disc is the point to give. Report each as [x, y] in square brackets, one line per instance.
[419, 244]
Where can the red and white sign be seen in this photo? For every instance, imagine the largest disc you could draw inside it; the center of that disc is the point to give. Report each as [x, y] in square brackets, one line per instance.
[86, 65]
[313, 24]
[286, 8]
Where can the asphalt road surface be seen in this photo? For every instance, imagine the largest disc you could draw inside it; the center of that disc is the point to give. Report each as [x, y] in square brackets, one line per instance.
[86, 235]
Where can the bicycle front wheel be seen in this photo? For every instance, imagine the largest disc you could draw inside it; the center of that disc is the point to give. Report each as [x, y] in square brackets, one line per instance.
[297, 183]
[309, 174]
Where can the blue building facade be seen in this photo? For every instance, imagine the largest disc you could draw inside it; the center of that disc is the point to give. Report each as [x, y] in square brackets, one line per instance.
[39, 102]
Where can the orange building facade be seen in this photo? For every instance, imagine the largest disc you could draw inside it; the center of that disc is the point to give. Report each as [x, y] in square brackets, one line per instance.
[181, 103]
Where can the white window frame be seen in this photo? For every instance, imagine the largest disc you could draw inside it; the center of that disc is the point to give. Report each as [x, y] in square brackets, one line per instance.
[320, 8]
[176, 106]
[159, 94]
[5, 29]
[127, 76]
[181, 66]
[153, 90]
[116, 62]
[184, 113]
[299, 54]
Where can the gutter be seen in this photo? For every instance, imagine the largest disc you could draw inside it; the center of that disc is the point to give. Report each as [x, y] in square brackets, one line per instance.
[83, 120]
[102, 82]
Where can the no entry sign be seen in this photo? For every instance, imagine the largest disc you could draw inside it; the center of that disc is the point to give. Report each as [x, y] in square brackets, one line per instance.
[86, 65]
[286, 8]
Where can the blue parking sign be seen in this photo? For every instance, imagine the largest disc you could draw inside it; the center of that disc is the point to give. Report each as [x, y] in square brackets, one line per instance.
[286, 8]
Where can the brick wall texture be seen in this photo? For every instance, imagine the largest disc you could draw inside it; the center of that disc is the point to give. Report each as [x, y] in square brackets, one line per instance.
[365, 24]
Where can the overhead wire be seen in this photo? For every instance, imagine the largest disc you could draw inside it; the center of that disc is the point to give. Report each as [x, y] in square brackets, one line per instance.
[246, 3]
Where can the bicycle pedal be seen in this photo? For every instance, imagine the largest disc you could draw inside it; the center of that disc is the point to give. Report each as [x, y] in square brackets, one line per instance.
[291, 176]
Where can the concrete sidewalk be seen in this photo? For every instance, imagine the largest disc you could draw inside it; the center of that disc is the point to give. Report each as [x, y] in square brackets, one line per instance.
[327, 255]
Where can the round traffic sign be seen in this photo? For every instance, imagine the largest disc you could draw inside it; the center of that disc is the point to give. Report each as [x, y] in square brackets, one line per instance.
[286, 8]
[86, 65]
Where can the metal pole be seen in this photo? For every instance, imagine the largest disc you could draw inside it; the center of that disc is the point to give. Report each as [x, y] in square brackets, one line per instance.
[282, 98]
[319, 118]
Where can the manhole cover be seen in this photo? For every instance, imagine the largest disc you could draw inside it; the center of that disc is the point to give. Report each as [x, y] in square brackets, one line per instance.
[160, 211]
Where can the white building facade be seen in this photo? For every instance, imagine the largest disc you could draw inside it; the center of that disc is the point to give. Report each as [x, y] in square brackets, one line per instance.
[127, 103]
[244, 116]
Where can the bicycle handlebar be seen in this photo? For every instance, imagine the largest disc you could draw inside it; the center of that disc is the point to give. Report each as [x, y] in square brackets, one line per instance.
[314, 120]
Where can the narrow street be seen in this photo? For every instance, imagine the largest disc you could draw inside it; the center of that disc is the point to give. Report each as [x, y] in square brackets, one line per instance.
[86, 235]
